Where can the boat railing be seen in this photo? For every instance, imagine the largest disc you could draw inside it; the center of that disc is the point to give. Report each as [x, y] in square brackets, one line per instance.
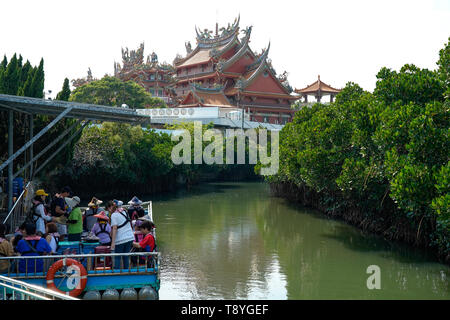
[19, 290]
[95, 264]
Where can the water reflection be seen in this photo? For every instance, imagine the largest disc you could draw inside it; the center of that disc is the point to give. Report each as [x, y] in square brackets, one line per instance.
[234, 241]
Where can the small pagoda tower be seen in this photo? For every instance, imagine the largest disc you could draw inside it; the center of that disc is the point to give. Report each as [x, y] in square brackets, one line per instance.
[318, 89]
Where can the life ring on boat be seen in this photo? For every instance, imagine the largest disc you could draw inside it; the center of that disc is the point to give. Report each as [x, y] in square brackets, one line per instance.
[80, 275]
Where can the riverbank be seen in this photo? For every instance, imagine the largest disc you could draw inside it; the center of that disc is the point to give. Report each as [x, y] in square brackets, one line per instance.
[160, 185]
[391, 226]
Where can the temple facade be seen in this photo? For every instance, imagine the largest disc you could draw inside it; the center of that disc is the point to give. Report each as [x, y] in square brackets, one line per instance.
[155, 77]
[223, 68]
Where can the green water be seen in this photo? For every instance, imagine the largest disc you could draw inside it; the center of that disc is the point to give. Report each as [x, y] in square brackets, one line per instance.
[235, 241]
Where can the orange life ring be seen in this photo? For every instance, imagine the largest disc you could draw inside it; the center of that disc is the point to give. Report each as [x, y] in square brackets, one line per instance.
[67, 262]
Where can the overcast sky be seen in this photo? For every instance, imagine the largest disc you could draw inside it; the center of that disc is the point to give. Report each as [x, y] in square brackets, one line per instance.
[340, 40]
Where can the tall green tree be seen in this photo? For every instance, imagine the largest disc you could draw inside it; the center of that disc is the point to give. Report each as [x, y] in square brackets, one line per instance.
[11, 77]
[37, 84]
[64, 94]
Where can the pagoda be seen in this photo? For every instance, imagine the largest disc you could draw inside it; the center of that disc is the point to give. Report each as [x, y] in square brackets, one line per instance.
[155, 77]
[223, 68]
[318, 89]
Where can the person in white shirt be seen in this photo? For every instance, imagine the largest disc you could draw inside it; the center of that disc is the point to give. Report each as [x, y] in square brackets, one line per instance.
[39, 211]
[122, 235]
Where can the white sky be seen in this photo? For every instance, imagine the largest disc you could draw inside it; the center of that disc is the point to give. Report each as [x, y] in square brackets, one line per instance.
[340, 40]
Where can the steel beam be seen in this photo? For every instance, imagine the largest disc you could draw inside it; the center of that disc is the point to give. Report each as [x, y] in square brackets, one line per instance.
[3, 106]
[60, 148]
[35, 138]
[40, 154]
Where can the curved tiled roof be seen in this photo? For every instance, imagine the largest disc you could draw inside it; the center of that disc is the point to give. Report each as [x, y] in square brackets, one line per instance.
[316, 86]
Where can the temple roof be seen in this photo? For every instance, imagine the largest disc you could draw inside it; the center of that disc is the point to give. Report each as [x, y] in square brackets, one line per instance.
[211, 47]
[206, 97]
[316, 87]
[205, 39]
[198, 57]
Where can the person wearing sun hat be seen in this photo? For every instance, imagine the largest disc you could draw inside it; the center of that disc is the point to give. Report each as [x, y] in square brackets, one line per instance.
[102, 229]
[39, 213]
[75, 219]
[89, 219]
[135, 209]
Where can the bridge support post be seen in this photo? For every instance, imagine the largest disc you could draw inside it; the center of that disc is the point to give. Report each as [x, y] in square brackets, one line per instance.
[31, 129]
[10, 153]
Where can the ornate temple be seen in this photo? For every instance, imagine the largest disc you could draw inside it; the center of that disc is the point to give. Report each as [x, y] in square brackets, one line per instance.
[223, 71]
[155, 77]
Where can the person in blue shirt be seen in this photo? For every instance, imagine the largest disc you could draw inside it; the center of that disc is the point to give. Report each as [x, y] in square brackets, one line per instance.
[32, 245]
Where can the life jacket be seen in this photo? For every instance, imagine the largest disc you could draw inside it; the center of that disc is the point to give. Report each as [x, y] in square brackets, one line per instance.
[127, 219]
[136, 213]
[32, 247]
[138, 236]
[103, 230]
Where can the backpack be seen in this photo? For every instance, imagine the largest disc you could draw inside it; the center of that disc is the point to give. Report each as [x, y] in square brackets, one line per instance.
[32, 216]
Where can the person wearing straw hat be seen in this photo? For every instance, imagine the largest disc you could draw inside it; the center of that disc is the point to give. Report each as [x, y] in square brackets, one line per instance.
[75, 219]
[39, 213]
[135, 209]
[89, 219]
[102, 229]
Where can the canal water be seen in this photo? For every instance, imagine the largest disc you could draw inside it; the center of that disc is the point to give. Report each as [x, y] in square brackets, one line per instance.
[235, 241]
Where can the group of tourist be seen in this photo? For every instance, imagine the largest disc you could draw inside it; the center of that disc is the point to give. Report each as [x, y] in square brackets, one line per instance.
[122, 230]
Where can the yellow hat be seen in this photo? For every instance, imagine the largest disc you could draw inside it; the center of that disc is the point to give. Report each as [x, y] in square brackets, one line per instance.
[41, 192]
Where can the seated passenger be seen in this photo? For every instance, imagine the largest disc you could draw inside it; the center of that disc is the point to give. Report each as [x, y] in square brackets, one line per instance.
[102, 229]
[32, 245]
[135, 210]
[52, 236]
[6, 250]
[18, 235]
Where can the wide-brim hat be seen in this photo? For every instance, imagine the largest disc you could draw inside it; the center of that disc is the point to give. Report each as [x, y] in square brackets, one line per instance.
[94, 202]
[73, 202]
[135, 201]
[118, 203]
[102, 215]
[41, 192]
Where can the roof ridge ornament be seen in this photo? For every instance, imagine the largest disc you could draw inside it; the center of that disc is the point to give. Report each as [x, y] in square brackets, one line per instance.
[206, 39]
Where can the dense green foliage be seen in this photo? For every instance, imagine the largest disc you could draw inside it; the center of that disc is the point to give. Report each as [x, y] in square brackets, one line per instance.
[111, 91]
[121, 159]
[385, 154]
